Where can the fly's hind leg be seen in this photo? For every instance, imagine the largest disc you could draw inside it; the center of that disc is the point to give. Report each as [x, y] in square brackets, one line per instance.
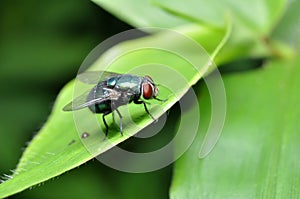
[106, 126]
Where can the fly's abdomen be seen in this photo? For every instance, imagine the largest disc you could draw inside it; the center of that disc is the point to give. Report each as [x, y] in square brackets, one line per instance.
[104, 107]
[98, 92]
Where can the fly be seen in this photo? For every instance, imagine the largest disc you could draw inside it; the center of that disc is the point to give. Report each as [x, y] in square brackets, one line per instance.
[113, 90]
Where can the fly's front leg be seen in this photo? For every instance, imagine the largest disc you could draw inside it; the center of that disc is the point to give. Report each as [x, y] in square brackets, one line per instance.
[146, 109]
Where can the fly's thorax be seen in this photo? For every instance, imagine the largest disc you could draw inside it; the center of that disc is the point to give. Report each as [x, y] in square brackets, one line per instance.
[128, 84]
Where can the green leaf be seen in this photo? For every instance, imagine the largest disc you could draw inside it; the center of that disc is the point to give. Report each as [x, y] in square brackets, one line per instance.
[288, 29]
[59, 146]
[141, 14]
[259, 16]
[250, 34]
[257, 153]
[253, 23]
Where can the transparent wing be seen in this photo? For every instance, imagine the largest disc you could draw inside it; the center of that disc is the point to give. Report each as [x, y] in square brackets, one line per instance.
[82, 101]
[94, 77]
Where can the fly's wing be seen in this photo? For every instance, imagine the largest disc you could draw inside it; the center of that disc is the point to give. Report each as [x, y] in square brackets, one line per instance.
[94, 77]
[82, 102]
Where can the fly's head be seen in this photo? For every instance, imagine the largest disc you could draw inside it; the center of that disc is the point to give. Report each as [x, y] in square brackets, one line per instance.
[149, 90]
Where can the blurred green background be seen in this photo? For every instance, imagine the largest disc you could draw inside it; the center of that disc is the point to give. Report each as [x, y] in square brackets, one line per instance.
[42, 44]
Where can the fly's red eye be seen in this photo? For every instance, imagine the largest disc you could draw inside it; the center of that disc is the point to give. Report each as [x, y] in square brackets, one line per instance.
[147, 91]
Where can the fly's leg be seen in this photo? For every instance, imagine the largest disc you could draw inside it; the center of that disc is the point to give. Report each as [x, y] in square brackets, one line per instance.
[113, 116]
[121, 125]
[146, 109]
[106, 126]
[161, 100]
